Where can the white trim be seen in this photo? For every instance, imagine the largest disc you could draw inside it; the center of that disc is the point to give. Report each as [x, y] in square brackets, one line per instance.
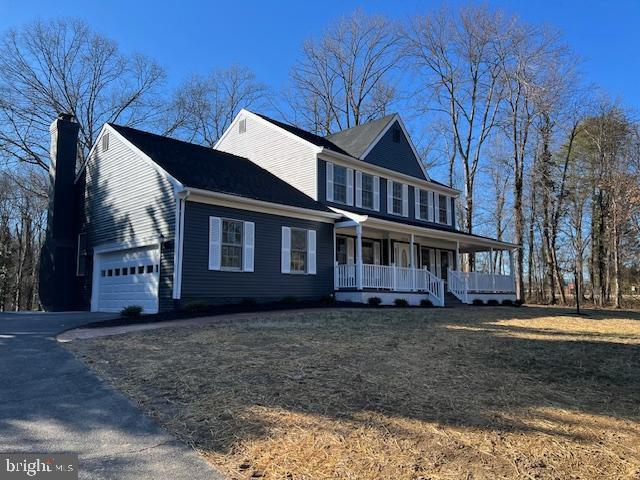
[397, 118]
[405, 200]
[329, 182]
[178, 247]
[176, 184]
[248, 246]
[215, 243]
[350, 186]
[352, 162]
[311, 252]
[376, 193]
[285, 250]
[358, 189]
[126, 245]
[253, 205]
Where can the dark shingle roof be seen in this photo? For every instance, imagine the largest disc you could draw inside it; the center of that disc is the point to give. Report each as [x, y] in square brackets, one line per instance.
[357, 139]
[208, 169]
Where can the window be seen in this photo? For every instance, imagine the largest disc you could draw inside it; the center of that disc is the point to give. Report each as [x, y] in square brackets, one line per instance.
[442, 210]
[423, 204]
[341, 250]
[396, 135]
[298, 250]
[149, 268]
[132, 270]
[103, 273]
[367, 191]
[110, 273]
[242, 125]
[231, 245]
[81, 263]
[396, 205]
[368, 256]
[339, 184]
[117, 272]
[125, 271]
[105, 142]
[140, 270]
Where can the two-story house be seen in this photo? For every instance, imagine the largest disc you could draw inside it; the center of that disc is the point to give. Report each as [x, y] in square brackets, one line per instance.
[273, 211]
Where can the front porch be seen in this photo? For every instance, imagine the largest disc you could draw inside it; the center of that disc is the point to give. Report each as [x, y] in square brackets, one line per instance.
[374, 259]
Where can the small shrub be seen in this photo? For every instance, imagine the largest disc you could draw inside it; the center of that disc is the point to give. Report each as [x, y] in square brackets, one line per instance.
[493, 302]
[425, 302]
[132, 311]
[328, 300]
[289, 300]
[248, 302]
[374, 301]
[478, 302]
[400, 302]
[196, 307]
[507, 302]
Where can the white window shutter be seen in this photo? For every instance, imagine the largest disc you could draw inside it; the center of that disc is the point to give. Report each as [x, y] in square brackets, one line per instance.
[286, 250]
[358, 189]
[389, 196]
[376, 253]
[431, 205]
[416, 203]
[376, 193]
[349, 186]
[436, 207]
[329, 193]
[448, 210]
[215, 234]
[350, 251]
[311, 252]
[248, 246]
[405, 200]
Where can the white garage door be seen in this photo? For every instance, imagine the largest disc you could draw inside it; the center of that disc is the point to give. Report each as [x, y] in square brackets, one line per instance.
[128, 277]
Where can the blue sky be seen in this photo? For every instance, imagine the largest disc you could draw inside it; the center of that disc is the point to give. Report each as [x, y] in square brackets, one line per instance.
[191, 36]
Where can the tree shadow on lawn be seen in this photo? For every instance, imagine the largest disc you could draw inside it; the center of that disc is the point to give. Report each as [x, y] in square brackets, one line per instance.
[457, 369]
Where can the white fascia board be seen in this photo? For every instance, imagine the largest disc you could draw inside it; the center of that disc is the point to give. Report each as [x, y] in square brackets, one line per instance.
[441, 234]
[397, 118]
[352, 162]
[129, 244]
[251, 204]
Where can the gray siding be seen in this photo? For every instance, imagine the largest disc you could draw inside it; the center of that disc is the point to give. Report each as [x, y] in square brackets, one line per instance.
[395, 156]
[266, 282]
[120, 197]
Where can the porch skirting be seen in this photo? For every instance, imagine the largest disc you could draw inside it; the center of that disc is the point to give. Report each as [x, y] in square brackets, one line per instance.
[363, 296]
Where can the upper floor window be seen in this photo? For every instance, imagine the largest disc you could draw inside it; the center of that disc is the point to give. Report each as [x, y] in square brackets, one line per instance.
[422, 204]
[397, 198]
[298, 250]
[339, 184]
[231, 255]
[367, 191]
[443, 208]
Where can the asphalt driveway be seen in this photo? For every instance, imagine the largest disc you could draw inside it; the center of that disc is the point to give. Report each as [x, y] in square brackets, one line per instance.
[50, 402]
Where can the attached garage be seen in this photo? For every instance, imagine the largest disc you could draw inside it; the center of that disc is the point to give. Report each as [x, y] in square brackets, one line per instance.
[126, 277]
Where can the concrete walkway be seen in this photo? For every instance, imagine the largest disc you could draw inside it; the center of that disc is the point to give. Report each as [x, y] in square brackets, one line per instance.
[51, 402]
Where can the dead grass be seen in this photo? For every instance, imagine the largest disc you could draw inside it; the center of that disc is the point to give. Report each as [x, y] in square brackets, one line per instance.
[394, 394]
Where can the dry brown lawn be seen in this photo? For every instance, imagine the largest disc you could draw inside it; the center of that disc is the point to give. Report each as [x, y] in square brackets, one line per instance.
[393, 394]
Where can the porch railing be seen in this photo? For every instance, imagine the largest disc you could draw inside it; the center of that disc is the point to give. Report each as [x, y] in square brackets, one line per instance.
[392, 278]
[461, 283]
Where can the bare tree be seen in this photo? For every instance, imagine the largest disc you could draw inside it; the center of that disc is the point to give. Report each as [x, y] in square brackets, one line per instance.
[344, 78]
[204, 107]
[456, 53]
[62, 66]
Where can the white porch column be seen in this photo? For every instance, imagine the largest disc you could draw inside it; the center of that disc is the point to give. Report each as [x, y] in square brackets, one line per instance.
[511, 272]
[493, 271]
[413, 265]
[458, 263]
[359, 256]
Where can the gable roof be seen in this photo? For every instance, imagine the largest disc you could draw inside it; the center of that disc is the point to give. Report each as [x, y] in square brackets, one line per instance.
[356, 140]
[205, 168]
[316, 140]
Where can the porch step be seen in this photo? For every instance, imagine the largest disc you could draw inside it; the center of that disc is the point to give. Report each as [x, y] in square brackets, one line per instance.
[450, 300]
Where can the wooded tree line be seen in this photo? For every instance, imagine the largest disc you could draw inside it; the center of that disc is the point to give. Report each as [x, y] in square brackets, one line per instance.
[496, 105]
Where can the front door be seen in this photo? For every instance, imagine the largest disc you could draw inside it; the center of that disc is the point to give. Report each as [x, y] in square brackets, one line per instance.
[402, 255]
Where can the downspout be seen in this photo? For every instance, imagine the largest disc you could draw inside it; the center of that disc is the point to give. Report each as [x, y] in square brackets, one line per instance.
[181, 197]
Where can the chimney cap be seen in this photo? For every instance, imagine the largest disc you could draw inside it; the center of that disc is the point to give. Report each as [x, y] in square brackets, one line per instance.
[68, 117]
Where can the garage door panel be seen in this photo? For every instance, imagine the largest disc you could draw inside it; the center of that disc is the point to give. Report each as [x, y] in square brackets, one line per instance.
[118, 288]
